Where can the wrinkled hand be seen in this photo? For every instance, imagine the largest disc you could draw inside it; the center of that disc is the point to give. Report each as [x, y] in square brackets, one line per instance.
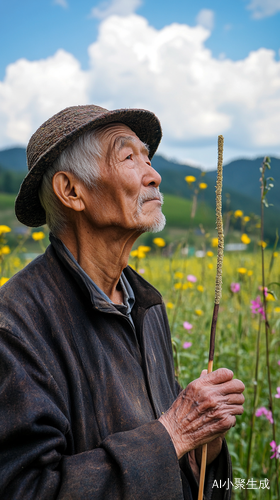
[204, 411]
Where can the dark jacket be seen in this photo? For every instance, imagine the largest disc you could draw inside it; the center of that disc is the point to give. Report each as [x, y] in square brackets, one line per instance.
[81, 391]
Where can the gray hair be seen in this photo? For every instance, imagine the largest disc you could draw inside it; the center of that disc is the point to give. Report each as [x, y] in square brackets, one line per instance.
[81, 159]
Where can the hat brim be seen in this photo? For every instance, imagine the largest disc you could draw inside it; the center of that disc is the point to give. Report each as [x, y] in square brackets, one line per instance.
[145, 124]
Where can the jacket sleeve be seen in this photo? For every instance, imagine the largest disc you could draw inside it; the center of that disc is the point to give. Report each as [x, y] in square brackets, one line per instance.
[35, 462]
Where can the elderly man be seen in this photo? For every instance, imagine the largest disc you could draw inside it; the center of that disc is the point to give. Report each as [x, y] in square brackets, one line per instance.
[89, 404]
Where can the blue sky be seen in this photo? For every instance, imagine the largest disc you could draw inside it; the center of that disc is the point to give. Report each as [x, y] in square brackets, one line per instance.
[204, 67]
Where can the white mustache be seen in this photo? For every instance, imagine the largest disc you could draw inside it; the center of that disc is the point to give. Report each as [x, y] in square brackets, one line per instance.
[152, 194]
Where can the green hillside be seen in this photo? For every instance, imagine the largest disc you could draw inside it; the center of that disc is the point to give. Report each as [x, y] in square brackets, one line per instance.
[177, 212]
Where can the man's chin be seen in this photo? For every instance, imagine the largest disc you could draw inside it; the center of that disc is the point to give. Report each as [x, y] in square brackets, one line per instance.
[157, 225]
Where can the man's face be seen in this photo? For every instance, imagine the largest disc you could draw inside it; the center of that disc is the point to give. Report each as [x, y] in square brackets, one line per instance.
[126, 194]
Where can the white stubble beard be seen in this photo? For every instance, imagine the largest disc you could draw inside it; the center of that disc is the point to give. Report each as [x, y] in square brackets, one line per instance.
[159, 221]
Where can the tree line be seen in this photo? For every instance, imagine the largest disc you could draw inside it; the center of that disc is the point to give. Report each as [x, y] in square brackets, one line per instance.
[10, 181]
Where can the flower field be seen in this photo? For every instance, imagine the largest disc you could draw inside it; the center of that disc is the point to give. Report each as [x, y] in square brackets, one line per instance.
[187, 284]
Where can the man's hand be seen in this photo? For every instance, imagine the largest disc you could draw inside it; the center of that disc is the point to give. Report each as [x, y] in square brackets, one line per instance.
[204, 411]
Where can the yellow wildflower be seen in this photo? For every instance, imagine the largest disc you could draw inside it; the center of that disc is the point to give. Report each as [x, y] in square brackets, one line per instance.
[250, 273]
[270, 297]
[3, 280]
[5, 250]
[177, 286]
[242, 270]
[134, 253]
[262, 244]
[159, 242]
[238, 213]
[169, 305]
[198, 312]
[215, 242]
[144, 248]
[275, 254]
[39, 235]
[138, 253]
[200, 288]
[203, 185]
[141, 255]
[190, 178]
[4, 229]
[245, 239]
[277, 309]
[179, 275]
[210, 266]
[246, 218]
[210, 254]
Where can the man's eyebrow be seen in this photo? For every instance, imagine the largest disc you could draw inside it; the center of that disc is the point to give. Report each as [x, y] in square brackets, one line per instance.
[122, 141]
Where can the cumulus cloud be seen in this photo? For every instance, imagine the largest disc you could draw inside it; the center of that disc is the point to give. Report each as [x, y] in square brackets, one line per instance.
[172, 73]
[33, 91]
[205, 18]
[62, 3]
[169, 71]
[263, 8]
[118, 7]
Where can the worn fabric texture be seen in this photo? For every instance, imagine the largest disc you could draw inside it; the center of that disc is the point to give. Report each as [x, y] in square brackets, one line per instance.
[81, 390]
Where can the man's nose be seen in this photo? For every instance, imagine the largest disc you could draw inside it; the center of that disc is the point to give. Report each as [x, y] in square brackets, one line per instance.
[152, 177]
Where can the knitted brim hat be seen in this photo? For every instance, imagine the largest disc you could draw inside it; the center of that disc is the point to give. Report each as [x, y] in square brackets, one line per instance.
[63, 129]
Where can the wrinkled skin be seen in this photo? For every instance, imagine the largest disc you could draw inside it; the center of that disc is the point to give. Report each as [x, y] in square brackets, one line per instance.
[204, 412]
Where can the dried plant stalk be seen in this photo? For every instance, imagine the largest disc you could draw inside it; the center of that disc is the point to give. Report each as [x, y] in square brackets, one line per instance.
[218, 289]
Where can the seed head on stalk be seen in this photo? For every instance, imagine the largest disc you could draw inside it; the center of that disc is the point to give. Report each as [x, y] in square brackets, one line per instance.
[218, 288]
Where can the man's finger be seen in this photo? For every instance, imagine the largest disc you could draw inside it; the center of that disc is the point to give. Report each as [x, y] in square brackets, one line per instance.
[220, 376]
[231, 387]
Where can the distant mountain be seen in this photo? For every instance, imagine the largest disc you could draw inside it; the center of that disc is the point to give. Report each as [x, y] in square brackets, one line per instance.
[241, 179]
[241, 187]
[244, 176]
[13, 159]
[241, 182]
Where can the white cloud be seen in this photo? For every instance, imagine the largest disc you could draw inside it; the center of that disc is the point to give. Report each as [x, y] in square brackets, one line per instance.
[263, 8]
[33, 91]
[169, 71]
[205, 18]
[62, 3]
[118, 7]
[196, 96]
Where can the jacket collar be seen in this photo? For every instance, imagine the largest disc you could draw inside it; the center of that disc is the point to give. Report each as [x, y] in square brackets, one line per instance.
[145, 294]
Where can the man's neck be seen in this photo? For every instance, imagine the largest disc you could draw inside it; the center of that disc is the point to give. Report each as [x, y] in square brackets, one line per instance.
[102, 254]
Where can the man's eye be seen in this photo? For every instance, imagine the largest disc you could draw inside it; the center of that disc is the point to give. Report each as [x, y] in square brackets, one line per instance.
[129, 157]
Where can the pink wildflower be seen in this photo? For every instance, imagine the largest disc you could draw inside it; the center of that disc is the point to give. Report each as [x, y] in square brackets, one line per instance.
[235, 287]
[186, 345]
[257, 307]
[279, 362]
[275, 449]
[267, 413]
[191, 278]
[261, 411]
[187, 325]
[265, 290]
[141, 271]
[278, 392]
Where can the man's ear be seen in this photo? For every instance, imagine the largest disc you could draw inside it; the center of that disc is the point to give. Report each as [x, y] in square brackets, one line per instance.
[68, 189]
